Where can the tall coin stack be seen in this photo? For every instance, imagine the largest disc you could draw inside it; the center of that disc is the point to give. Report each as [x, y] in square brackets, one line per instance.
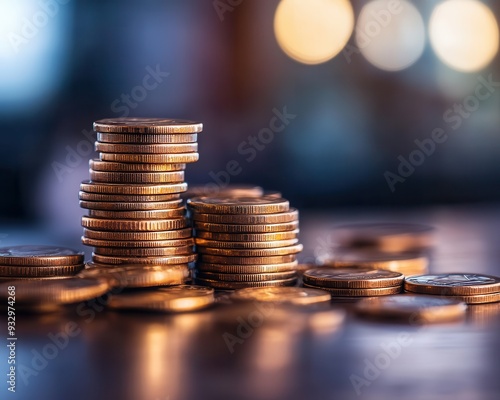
[245, 241]
[136, 216]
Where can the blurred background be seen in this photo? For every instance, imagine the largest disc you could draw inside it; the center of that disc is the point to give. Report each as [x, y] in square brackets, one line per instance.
[335, 103]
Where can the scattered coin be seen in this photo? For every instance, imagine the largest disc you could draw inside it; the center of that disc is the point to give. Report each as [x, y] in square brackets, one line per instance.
[39, 255]
[461, 284]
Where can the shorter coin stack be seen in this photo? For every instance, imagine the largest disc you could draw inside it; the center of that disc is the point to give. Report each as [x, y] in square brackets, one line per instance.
[245, 241]
[354, 282]
[469, 288]
[136, 216]
[39, 262]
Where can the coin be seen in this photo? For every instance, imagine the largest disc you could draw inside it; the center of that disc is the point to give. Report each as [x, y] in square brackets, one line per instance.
[343, 292]
[147, 125]
[39, 271]
[137, 236]
[246, 228]
[277, 251]
[136, 243]
[98, 165]
[120, 198]
[245, 245]
[238, 277]
[133, 224]
[211, 189]
[246, 269]
[172, 299]
[173, 158]
[239, 205]
[247, 237]
[240, 285]
[166, 260]
[129, 189]
[147, 214]
[352, 278]
[247, 260]
[248, 219]
[414, 308]
[143, 252]
[128, 206]
[463, 284]
[157, 148]
[478, 298]
[290, 295]
[145, 138]
[137, 276]
[29, 255]
[137, 177]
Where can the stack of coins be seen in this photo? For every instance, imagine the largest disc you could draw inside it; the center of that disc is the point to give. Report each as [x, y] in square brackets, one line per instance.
[469, 288]
[245, 241]
[354, 282]
[136, 216]
[39, 262]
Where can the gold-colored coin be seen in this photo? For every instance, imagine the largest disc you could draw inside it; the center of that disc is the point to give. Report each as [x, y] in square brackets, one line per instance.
[211, 189]
[39, 271]
[39, 255]
[135, 225]
[173, 158]
[384, 291]
[358, 278]
[479, 298]
[157, 148]
[245, 277]
[132, 189]
[173, 299]
[98, 165]
[145, 138]
[137, 177]
[143, 252]
[137, 236]
[147, 214]
[289, 295]
[55, 291]
[137, 276]
[165, 126]
[413, 308]
[245, 245]
[462, 284]
[238, 205]
[132, 244]
[248, 219]
[277, 251]
[124, 198]
[241, 285]
[246, 269]
[247, 237]
[128, 206]
[246, 228]
[166, 260]
[206, 258]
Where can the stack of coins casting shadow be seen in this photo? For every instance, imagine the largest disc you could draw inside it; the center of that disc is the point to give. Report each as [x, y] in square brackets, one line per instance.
[245, 241]
[136, 216]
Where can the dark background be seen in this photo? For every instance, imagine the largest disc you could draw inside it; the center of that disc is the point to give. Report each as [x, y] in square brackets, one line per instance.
[352, 120]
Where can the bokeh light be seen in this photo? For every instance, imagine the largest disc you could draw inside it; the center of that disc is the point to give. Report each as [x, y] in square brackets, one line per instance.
[313, 31]
[464, 34]
[390, 35]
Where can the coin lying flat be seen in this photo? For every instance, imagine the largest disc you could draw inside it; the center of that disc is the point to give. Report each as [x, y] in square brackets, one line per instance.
[211, 190]
[147, 125]
[237, 277]
[414, 308]
[352, 278]
[247, 260]
[269, 252]
[39, 271]
[138, 243]
[247, 237]
[462, 284]
[137, 236]
[172, 299]
[246, 228]
[290, 295]
[172, 158]
[128, 206]
[137, 177]
[367, 292]
[120, 198]
[145, 214]
[246, 269]
[135, 225]
[248, 219]
[98, 165]
[245, 245]
[478, 298]
[132, 189]
[240, 285]
[144, 252]
[39, 255]
[146, 138]
[166, 260]
[239, 205]
[157, 148]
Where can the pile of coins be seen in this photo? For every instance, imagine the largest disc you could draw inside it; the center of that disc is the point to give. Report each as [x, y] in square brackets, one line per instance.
[136, 216]
[354, 282]
[469, 288]
[245, 241]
